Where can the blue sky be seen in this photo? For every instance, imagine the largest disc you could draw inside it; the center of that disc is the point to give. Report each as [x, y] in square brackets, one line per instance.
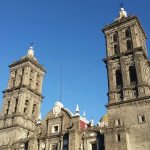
[66, 32]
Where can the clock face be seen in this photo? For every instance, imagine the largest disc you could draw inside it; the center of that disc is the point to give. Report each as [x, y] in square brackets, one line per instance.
[56, 110]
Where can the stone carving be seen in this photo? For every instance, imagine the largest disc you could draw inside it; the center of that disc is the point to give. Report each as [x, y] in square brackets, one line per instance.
[19, 72]
[141, 90]
[32, 73]
[57, 108]
[12, 74]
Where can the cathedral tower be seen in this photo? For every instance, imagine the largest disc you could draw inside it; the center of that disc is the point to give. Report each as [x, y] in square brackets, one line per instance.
[22, 99]
[128, 70]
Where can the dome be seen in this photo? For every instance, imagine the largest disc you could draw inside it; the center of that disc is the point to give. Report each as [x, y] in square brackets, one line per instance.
[104, 118]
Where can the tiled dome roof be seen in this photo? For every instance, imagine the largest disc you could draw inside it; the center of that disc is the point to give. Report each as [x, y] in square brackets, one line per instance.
[104, 118]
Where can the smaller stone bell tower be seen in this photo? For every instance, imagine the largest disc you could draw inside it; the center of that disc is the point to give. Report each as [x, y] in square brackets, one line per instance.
[22, 99]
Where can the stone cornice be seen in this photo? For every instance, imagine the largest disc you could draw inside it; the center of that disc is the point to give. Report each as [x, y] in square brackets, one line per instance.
[115, 129]
[20, 87]
[11, 116]
[121, 22]
[16, 125]
[27, 59]
[135, 100]
[125, 54]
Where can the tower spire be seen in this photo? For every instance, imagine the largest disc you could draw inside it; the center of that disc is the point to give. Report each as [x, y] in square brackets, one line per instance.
[121, 5]
[84, 114]
[77, 110]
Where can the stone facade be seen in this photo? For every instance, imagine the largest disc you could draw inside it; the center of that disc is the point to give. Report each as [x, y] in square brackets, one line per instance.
[21, 101]
[126, 126]
[20, 125]
[62, 130]
[129, 85]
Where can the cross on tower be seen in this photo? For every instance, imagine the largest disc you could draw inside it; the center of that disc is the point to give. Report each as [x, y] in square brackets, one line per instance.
[121, 5]
[32, 44]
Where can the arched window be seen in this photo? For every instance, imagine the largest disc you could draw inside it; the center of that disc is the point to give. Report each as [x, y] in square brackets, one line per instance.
[127, 33]
[132, 74]
[8, 105]
[66, 142]
[26, 146]
[34, 109]
[118, 138]
[21, 76]
[129, 44]
[16, 104]
[38, 77]
[37, 86]
[32, 73]
[117, 122]
[115, 38]
[119, 82]
[116, 49]
[30, 82]
[26, 106]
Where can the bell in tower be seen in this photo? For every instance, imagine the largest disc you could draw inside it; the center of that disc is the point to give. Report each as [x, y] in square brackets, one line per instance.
[128, 71]
[126, 58]
[23, 97]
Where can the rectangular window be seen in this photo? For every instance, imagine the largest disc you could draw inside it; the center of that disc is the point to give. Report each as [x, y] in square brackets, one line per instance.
[141, 118]
[118, 122]
[55, 128]
[118, 138]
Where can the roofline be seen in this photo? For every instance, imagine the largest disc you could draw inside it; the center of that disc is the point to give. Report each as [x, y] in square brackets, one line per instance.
[68, 111]
[26, 59]
[122, 21]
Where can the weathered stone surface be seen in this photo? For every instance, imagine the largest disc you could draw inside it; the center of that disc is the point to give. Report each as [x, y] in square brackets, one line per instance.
[128, 107]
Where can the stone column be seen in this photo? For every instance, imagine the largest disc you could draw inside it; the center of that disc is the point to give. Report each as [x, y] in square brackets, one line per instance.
[33, 144]
[47, 145]
[84, 144]
[138, 58]
[110, 76]
[61, 143]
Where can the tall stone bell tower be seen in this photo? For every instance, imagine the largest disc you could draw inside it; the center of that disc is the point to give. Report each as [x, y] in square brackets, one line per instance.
[22, 100]
[128, 71]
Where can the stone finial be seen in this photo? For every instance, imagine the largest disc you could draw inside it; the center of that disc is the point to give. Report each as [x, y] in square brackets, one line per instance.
[84, 115]
[77, 110]
[58, 103]
[92, 122]
[57, 108]
[122, 14]
[30, 52]
[98, 123]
